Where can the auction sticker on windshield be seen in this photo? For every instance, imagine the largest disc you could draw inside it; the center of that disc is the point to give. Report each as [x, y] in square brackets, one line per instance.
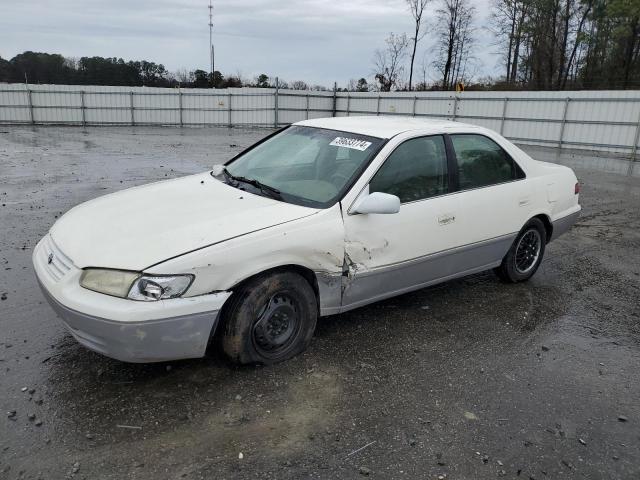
[353, 143]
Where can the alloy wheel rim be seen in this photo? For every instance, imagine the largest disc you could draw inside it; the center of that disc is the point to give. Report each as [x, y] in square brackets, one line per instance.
[528, 251]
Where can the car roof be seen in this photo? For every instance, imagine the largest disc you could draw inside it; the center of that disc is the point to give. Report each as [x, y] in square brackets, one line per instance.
[386, 126]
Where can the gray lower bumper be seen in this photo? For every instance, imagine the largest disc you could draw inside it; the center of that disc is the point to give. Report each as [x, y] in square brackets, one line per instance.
[562, 225]
[140, 342]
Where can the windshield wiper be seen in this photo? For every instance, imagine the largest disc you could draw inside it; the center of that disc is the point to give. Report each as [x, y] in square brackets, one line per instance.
[265, 189]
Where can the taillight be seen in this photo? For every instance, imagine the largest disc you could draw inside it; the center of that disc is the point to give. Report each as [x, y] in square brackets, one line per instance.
[576, 189]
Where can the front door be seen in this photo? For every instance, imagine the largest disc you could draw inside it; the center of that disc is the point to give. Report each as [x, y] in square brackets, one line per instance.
[388, 254]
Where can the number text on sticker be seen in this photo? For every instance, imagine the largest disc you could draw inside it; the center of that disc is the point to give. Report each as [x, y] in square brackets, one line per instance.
[354, 143]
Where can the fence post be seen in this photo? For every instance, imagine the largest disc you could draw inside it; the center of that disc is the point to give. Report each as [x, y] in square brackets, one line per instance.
[348, 103]
[84, 119]
[230, 122]
[30, 101]
[634, 147]
[504, 114]
[307, 107]
[378, 106]
[455, 108]
[415, 100]
[335, 98]
[133, 120]
[180, 106]
[564, 120]
[275, 100]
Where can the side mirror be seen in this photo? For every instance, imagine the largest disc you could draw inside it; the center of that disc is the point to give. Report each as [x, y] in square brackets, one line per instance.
[378, 202]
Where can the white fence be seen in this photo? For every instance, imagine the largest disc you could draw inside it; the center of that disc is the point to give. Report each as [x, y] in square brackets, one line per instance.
[595, 120]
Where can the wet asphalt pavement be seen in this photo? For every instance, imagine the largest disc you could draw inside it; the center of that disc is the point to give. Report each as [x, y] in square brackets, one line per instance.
[470, 379]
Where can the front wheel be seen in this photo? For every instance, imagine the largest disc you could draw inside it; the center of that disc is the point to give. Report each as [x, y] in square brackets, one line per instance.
[524, 257]
[269, 319]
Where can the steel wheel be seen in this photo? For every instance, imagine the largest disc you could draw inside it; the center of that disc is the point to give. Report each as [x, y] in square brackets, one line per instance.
[277, 325]
[528, 251]
[269, 318]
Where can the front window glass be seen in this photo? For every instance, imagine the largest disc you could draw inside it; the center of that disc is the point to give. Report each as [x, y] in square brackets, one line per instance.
[417, 169]
[482, 162]
[308, 166]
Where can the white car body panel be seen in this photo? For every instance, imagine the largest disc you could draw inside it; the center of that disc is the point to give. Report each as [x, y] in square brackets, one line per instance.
[315, 242]
[141, 226]
[200, 226]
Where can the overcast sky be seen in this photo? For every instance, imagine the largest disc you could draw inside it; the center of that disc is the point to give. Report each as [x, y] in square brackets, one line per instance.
[319, 41]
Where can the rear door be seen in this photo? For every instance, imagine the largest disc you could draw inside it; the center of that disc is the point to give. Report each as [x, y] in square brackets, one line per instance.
[493, 195]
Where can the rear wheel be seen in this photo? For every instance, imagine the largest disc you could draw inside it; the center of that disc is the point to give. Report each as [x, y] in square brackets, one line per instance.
[524, 257]
[269, 319]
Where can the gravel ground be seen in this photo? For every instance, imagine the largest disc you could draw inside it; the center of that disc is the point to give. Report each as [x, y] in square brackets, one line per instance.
[470, 379]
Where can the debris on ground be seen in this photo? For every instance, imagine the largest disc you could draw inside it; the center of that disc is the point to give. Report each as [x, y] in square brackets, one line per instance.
[361, 448]
[470, 416]
[365, 471]
[132, 427]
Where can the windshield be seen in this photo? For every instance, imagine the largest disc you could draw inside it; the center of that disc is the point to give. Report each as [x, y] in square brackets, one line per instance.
[305, 165]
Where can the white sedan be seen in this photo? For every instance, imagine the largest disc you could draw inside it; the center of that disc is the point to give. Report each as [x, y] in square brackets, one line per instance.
[319, 218]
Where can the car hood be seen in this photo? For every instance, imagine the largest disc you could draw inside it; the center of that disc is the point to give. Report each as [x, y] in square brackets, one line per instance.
[142, 226]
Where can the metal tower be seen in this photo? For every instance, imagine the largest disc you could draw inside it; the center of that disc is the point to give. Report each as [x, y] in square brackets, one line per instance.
[211, 51]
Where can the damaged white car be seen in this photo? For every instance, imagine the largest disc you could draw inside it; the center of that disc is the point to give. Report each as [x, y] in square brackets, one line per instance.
[319, 218]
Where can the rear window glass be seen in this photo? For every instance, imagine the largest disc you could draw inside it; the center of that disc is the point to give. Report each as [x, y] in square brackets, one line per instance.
[482, 162]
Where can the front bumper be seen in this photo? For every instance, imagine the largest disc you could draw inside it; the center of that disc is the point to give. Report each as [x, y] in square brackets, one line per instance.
[123, 329]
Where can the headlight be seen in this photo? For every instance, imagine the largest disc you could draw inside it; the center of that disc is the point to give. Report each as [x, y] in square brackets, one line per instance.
[149, 287]
[112, 282]
[134, 285]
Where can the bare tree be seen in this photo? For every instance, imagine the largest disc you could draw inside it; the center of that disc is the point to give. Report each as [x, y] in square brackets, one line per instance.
[577, 15]
[416, 7]
[388, 62]
[184, 76]
[71, 62]
[508, 23]
[423, 84]
[550, 39]
[455, 37]
[299, 85]
[281, 83]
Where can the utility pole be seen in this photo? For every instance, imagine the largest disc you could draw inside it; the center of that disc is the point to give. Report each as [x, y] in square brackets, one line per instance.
[211, 43]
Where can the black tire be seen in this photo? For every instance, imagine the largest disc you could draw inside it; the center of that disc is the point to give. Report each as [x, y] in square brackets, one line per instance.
[524, 257]
[269, 319]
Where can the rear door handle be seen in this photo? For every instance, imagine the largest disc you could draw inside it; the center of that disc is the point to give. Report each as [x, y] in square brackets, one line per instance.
[522, 201]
